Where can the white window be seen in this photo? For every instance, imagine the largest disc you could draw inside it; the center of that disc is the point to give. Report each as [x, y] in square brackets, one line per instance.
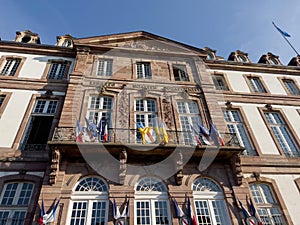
[58, 70]
[15, 199]
[236, 126]
[256, 85]
[10, 67]
[220, 82]
[145, 112]
[45, 106]
[100, 113]
[209, 202]
[282, 134]
[151, 203]
[89, 202]
[291, 87]
[189, 117]
[143, 70]
[180, 73]
[104, 67]
[267, 206]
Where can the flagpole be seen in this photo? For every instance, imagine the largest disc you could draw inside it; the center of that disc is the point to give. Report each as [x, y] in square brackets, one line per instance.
[290, 44]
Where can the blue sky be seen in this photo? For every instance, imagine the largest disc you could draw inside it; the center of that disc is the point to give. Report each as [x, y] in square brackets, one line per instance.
[225, 26]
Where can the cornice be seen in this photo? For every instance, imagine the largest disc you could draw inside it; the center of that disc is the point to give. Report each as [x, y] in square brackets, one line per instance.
[36, 49]
[252, 67]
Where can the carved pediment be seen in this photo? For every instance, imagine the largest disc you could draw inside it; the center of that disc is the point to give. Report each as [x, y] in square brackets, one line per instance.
[140, 40]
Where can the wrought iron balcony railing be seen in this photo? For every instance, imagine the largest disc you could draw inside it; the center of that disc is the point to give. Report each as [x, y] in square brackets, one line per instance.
[133, 136]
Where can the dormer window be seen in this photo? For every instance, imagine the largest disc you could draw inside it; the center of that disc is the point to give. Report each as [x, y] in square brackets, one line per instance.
[211, 54]
[269, 58]
[273, 61]
[238, 56]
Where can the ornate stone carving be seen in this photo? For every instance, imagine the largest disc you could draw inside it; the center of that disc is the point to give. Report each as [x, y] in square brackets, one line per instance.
[123, 109]
[167, 111]
[123, 165]
[54, 167]
[27, 37]
[179, 168]
[236, 167]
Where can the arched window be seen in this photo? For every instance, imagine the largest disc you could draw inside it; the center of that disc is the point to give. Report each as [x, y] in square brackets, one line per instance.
[14, 202]
[209, 202]
[151, 202]
[267, 206]
[89, 202]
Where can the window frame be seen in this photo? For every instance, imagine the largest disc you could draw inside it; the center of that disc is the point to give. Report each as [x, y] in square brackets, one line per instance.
[210, 197]
[290, 131]
[152, 197]
[181, 72]
[14, 207]
[7, 96]
[249, 77]
[246, 126]
[266, 205]
[223, 78]
[48, 68]
[46, 106]
[188, 136]
[3, 61]
[286, 88]
[89, 197]
[144, 116]
[107, 67]
[143, 70]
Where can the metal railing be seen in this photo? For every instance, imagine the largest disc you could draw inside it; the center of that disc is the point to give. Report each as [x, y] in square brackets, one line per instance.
[133, 136]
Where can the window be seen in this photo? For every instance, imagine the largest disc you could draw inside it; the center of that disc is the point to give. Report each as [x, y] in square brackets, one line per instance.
[39, 125]
[220, 82]
[189, 116]
[58, 70]
[210, 203]
[143, 70]
[4, 98]
[10, 66]
[273, 61]
[282, 134]
[104, 67]
[241, 58]
[100, 112]
[45, 106]
[89, 202]
[256, 84]
[180, 73]
[145, 112]
[15, 199]
[291, 87]
[236, 126]
[267, 206]
[151, 204]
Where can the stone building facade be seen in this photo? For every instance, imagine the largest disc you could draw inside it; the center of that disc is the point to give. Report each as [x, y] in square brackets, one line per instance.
[126, 121]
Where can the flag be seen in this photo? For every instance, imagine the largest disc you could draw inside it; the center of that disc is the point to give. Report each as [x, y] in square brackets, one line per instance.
[281, 31]
[205, 134]
[191, 214]
[215, 136]
[145, 131]
[163, 132]
[91, 129]
[178, 210]
[116, 211]
[196, 135]
[79, 132]
[253, 212]
[157, 130]
[125, 212]
[105, 135]
[247, 217]
[48, 217]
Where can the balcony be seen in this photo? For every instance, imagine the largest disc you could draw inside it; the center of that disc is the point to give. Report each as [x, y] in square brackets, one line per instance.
[133, 136]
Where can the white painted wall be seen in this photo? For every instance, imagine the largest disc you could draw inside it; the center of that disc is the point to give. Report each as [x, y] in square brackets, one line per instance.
[34, 65]
[12, 116]
[238, 82]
